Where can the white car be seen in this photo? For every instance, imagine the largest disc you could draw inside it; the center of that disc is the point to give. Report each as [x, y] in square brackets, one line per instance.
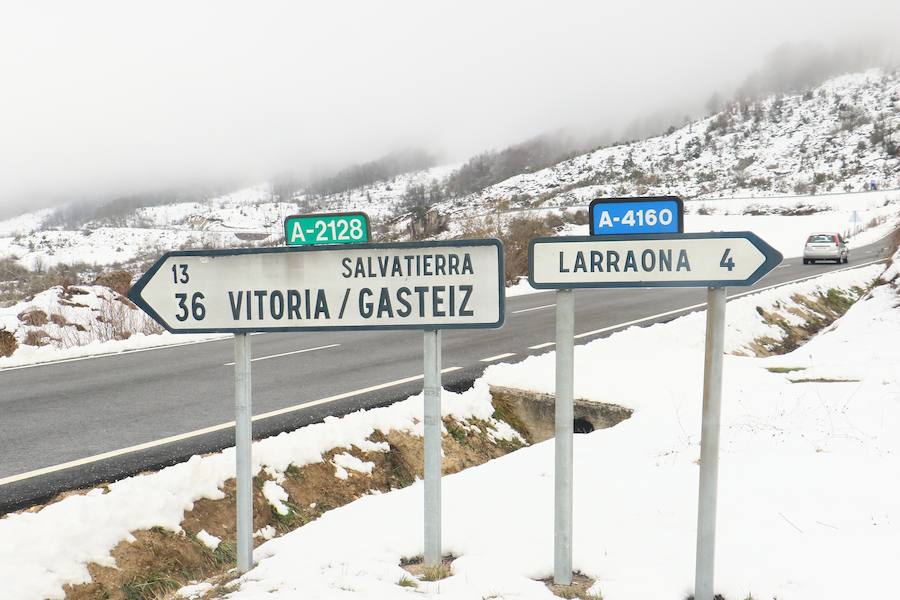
[825, 246]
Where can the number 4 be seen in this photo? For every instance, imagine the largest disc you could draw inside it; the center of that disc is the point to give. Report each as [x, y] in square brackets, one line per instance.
[727, 261]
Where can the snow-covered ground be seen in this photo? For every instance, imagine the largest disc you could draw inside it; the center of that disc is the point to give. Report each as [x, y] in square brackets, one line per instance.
[808, 480]
[864, 218]
[42, 551]
[64, 323]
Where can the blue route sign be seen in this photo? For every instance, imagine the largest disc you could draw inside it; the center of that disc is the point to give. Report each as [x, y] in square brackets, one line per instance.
[636, 216]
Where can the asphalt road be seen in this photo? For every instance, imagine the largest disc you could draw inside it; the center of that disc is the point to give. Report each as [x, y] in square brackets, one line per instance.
[71, 424]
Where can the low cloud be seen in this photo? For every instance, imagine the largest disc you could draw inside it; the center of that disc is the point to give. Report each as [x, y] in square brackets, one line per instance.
[103, 98]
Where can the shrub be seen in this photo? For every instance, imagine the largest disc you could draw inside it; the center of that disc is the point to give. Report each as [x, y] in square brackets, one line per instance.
[120, 281]
[36, 337]
[8, 343]
[35, 317]
[579, 217]
[515, 235]
[801, 188]
[554, 221]
[11, 270]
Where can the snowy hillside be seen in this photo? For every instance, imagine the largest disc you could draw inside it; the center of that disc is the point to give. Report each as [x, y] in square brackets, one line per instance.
[836, 138]
[245, 216]
[381, 200]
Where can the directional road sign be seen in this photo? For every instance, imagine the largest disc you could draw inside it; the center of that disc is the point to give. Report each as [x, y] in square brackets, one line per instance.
[632, 216]
[414, 285]
[337, 228]
[664, 260]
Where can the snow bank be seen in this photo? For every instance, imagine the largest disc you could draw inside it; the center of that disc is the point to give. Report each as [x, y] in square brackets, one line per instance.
[80, 321]
[42, 551]
[809, 478]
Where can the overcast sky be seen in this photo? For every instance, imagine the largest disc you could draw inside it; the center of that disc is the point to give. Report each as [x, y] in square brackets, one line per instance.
[100, 98]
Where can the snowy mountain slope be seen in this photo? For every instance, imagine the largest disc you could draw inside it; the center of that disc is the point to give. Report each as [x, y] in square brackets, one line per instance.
[837, 137]
[381, 200]
[218, 222]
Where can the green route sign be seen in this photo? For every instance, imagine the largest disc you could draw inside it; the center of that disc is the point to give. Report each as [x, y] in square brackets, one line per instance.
[337, 228]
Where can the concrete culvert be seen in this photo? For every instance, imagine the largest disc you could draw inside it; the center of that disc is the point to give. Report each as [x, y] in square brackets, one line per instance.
[582, 426]
[533, 414]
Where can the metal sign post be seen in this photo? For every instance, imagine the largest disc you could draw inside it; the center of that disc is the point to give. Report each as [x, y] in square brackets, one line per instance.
[417, 285]
[565, 420]
[432, 399]
[709, 444]
[712, 260]
[243, 434]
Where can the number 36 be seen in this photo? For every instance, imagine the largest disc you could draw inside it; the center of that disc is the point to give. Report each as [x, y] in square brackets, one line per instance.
[196, 310]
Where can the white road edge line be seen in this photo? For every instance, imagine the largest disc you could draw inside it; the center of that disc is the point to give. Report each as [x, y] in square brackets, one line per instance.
[498, 357]
[205, 430]
[47, 363]
[231, 364]
[731, 297]
[515, 312]
[544, 345]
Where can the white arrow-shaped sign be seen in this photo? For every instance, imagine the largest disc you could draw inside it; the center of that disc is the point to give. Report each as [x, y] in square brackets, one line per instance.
[666, 260]
[416, 285]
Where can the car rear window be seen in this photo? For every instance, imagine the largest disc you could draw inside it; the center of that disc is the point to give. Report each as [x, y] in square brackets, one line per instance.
[822, 238]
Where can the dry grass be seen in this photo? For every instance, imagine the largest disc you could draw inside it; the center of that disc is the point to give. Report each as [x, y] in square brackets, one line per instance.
[119, 281]
[823, 380]
[35, 317]
[818, 311]
[417, 568]
[8, 343]
[118, 320]
[577, 589]
[158, 559]
[36, 337]
[515, 233]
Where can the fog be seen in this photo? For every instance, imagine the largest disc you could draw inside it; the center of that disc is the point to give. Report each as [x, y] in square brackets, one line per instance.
[104, 98]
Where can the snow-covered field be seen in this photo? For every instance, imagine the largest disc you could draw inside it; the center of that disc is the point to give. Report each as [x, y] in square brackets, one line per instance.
[863, 217]
[808, 480]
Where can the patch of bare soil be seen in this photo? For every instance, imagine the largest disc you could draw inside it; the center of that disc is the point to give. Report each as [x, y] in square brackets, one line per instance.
[416, 567]
[159, 562]
[153, 566]
[577, 589]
